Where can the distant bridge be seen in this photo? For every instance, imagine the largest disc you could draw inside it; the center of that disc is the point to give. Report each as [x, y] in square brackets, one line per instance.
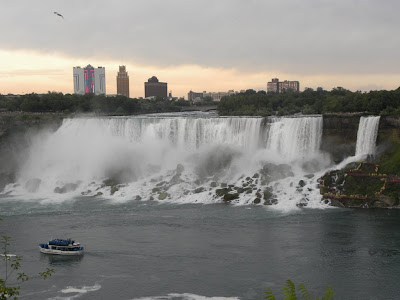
[200, 108]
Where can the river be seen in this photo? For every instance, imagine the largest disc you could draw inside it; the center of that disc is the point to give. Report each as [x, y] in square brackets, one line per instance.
[147, 250]
[141, 194]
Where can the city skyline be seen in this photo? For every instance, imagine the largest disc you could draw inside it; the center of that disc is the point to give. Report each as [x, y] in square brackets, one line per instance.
[319, 43]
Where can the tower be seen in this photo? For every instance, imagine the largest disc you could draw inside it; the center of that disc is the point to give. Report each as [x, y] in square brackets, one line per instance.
[123, 82]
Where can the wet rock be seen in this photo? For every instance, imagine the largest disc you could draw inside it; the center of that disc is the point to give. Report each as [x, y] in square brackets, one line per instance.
[161, 183]
[151, 198]
[257, 201]
[179, 169]
[229, 197]
[224, 185]
[336, 203]
[86, 193]
[256, 175]
[69, 187]
[156, 190]
[110, 182]
[301, 204]
[239, 189]
[301, 183]
[138, 197]
[175, 179]
[267, 194]
[309, 176]
[387, 201]
[162, 196]
[213, 184]
[113, 190]
[199, 190]
[221, 192]
[379, 204]
[270, 202]
[99, 194]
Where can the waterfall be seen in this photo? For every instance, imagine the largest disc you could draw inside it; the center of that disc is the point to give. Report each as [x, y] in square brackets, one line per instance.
[177, 159]
[366, 135]
[295, 138]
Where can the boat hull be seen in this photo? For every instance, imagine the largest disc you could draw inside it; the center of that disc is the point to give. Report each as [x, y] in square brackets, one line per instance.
[60, 252]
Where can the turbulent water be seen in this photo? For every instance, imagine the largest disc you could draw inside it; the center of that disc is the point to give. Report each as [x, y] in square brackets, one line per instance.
[181, 159]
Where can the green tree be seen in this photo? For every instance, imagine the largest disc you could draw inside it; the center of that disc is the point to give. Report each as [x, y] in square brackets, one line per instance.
[11, 283]
[289, 293]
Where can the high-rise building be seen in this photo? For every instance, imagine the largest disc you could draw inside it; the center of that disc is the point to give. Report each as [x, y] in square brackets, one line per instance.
[123, 82]
[89, 80]
[273, 86]
[276, 86]
[154, 88]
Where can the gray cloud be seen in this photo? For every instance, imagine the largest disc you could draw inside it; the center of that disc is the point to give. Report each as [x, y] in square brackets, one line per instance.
[302, 37]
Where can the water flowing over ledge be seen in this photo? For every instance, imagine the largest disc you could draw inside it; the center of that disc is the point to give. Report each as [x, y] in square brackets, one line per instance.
[180, 159]
[366, 135]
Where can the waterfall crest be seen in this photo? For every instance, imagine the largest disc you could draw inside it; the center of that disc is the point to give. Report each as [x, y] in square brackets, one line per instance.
[366, 135]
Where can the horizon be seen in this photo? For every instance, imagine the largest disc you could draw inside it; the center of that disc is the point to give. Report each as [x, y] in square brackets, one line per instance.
[329, 44]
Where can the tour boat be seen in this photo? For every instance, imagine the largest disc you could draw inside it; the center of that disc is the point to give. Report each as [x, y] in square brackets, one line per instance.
[61, 247]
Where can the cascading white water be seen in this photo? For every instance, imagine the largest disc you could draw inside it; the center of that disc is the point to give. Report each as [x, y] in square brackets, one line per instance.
[295, 138]
[185, 158]
[366, 135]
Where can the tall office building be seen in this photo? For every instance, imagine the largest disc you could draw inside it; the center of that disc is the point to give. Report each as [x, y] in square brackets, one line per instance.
[277, 86]
[154, 88]
[123, 82]
[273, 86]
[89, 80]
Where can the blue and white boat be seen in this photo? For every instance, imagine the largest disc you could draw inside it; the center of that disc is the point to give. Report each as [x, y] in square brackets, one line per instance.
[61, 247]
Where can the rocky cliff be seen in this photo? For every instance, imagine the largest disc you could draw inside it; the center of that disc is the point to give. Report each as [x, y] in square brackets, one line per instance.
[15, 132]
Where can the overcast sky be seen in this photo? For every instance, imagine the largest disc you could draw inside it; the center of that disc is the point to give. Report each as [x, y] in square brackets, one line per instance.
[212, 45]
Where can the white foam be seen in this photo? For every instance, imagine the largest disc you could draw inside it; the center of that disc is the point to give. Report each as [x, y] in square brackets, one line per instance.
[78, 291]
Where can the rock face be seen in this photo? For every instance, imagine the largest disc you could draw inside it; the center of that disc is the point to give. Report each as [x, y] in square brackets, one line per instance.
[339, 135]
[361, 185]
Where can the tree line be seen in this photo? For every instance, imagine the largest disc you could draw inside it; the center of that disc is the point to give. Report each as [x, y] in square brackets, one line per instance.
[338, 100]
[248, 103]
[88, 103]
